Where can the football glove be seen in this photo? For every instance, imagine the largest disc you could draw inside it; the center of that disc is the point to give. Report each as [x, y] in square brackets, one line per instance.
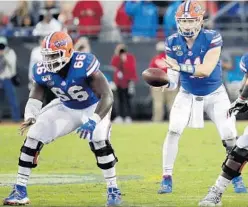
[88, 127]
[238, 106]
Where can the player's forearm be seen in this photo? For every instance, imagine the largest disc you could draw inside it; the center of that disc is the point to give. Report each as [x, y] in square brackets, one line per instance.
[203, 70]
[32, 108]
[35, 101]
[104, 105]
[101, 88]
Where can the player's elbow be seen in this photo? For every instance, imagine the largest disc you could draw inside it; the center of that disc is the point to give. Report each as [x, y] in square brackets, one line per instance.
[205, 74]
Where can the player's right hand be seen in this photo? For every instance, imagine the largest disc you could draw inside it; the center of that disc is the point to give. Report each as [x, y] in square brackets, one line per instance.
[26, 124]
[238, 106]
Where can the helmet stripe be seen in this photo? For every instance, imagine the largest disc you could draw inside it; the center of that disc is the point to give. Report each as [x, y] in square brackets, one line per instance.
[48, 39]
[187, 6]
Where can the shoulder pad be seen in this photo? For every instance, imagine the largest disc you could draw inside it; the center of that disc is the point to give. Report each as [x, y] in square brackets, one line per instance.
[86, 61]
[212, 35]
[173, 36]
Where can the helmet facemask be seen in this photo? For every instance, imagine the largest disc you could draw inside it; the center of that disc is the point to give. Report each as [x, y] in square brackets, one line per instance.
[189, 27]
[54, 61]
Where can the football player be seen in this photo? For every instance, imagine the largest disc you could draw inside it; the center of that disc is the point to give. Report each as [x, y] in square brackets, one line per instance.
[84, 103]
[194, 53]
[238, 156]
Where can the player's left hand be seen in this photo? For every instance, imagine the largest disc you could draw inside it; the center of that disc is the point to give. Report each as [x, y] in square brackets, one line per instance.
[26, 124]
[171, 65]
[238, 106]
[87, 129]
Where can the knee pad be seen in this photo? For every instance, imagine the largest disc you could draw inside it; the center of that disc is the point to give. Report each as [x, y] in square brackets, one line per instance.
[229, 144]
[29, 153]
[235, 162]
[104, 154]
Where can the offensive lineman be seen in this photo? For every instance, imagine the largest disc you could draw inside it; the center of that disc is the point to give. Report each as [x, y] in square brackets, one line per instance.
[84, 103]
[238, 156]
[194, 53]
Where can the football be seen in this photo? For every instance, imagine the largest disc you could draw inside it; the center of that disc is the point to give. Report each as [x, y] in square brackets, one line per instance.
[155, 77]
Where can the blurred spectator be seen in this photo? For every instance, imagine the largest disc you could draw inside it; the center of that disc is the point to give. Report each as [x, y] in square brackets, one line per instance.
[19, 14]
[83, 45]
[52, 6]
[233, 75]
[89, 14]
[5, 28]
[7, 73]
[124, 78]
[26, 28]
[123, 21]
[211, 8]
[47, 25]
[170, 25]
[67, 19]
[159, 97]
[145, 19]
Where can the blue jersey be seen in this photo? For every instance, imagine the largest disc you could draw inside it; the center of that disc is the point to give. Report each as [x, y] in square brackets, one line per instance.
[177, 49]
[244, 63]
[74, 90]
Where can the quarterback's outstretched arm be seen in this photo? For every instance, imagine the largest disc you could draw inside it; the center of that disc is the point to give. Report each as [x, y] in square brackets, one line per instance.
[202, 70]
[101, 88]
[209, 63]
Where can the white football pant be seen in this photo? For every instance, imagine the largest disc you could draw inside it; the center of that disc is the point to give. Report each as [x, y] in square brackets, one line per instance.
[56, 120]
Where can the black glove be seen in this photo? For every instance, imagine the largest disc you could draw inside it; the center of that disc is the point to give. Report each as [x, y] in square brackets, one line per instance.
[238, 106]
[16, 80]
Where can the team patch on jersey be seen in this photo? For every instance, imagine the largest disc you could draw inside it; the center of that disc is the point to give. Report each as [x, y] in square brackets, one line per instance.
[46, 78]
[179, 53]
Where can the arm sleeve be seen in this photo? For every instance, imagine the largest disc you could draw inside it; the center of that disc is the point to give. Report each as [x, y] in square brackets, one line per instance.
[174, 78]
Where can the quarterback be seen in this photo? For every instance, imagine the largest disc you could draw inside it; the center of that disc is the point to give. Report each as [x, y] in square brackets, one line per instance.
[84, 104]
[238, 156]
[194, 54]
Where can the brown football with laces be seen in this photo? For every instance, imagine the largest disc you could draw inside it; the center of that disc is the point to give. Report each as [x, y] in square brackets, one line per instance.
[155, 77]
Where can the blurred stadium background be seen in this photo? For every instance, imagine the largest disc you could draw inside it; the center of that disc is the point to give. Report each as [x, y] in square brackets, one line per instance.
[104, 24]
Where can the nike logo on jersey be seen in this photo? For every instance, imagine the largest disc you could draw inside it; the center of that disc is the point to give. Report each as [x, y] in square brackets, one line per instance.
[63, 83]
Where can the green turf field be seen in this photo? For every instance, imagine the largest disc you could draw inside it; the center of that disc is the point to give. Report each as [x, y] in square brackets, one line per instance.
[138, 147]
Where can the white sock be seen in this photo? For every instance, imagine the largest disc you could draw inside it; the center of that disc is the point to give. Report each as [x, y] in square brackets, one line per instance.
[170, 149]
[23, 176]
[110, 177]
[222, 183]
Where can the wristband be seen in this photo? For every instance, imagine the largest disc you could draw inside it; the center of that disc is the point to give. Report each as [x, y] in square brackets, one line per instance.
[187, 68]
